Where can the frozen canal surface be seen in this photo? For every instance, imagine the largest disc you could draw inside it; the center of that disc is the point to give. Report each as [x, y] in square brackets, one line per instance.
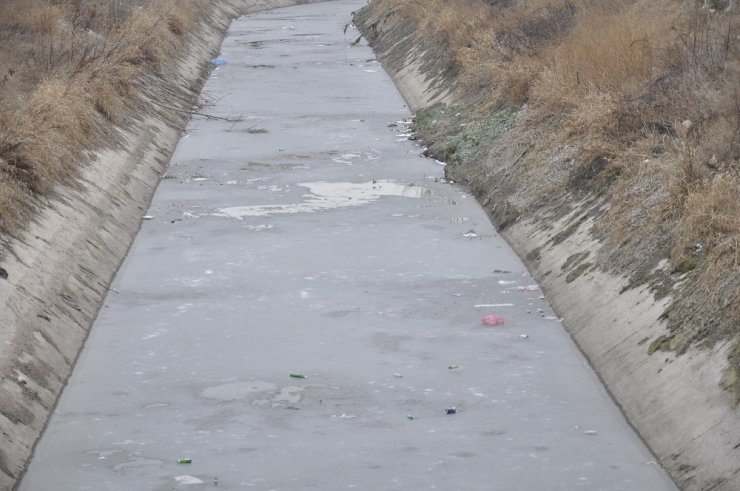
[312, 239]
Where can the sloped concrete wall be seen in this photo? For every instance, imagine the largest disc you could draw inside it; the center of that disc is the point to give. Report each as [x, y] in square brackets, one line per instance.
[674, 402]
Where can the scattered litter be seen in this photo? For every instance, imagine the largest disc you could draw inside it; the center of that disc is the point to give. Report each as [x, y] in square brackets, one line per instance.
[493, 305]
[591, 433]
[185, 460]
[453, 367]
[470, 233]
[398, 375]
[347, 416]
[524, 336]
[409, 417]
[492, 320]
[505, 282]
[218, 62]
[3, 274]
[451, 410]
[297, 375]
[148, 217]
[289, 28]
[528, 288]
[184, 480]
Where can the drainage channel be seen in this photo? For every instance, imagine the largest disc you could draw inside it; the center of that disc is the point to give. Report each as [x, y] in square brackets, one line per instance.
[309, 305]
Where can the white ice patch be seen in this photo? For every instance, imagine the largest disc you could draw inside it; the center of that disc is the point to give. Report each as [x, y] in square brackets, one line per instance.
[346, 158]
[328, 196]
[186, 480]
[259, 228]
[272, 189]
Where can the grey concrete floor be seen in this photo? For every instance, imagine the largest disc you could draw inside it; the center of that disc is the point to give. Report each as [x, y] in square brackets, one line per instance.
[311, 238]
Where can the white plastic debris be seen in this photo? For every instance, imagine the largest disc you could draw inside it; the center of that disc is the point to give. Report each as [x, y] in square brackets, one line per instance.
[185, 480]
[528, 288]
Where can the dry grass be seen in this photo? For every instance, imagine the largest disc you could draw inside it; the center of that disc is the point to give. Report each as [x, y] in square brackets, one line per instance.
[68, 70]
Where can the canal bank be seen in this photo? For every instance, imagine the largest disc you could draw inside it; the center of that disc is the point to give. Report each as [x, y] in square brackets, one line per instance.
[60, 267]
[622, 304]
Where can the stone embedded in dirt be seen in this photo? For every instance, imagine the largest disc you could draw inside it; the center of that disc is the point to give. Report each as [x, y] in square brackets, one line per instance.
[3, 274]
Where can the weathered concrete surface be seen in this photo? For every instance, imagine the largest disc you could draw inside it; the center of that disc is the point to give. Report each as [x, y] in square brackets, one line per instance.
[673, 401]
[312, 239]
[60, 268]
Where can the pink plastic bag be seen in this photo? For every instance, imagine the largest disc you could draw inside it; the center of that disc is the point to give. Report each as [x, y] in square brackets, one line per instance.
[492, 320]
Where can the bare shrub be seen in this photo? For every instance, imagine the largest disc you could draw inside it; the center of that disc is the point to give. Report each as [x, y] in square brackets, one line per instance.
[77, 63]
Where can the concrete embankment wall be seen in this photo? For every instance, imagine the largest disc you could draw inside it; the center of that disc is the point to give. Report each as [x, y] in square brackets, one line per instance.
[674, 402]
[60, 270]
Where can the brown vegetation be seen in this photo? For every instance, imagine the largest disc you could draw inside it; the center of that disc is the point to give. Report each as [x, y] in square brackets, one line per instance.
[67, 69]
[634, 102]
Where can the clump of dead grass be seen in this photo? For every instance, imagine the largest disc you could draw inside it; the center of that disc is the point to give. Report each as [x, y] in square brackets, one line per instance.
[79, 62]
